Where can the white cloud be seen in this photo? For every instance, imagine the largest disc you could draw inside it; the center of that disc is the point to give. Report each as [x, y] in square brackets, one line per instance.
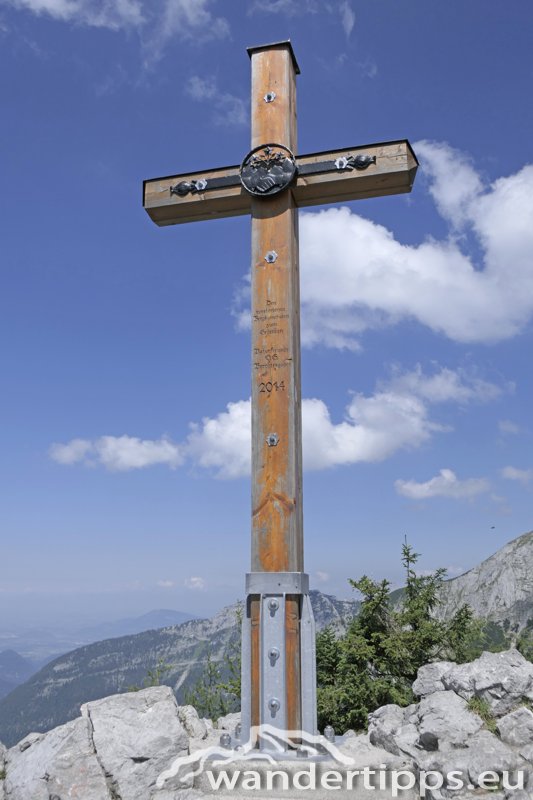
[453, 182]
[368, 68]
[157, 21]
[118, 453]
[183, 19]
[445, 385]
[523, 476]
[228, 109]
[347, 17]
[395, 417]
[322, 577]
[223, 443]
[355, 275]
[166, 584]
[114, 14]
[75, 451]
[289, 7]
[195, 583]
[506, 426]
[445, 484]
[294, 8]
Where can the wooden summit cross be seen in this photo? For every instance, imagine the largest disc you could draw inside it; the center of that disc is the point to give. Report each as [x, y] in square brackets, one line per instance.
[278, 656]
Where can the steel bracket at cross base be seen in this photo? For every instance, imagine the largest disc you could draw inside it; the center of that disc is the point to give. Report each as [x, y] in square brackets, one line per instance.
[271, 589]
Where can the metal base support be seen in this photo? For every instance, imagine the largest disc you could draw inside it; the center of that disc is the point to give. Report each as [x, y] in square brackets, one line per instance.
[271, 590]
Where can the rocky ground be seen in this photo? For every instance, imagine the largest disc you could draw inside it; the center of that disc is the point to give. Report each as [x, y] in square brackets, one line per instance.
[470, 719]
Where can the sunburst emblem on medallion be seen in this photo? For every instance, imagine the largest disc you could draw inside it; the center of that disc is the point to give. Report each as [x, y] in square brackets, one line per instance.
[267, 170]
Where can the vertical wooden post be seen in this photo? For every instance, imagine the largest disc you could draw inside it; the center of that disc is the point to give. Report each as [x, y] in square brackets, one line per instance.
[277, 528]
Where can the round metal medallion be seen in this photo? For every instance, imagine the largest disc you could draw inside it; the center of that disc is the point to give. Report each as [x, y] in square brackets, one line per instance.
[267, 170]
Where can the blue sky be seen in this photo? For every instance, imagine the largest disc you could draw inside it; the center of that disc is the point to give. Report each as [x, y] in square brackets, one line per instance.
[124, 456]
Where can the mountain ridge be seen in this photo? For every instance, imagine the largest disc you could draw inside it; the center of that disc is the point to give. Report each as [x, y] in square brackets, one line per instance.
[499, 589]
[54, 694]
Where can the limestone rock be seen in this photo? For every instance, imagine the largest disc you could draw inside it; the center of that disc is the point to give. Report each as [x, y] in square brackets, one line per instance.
[429, 678]
[137, 737]
[228, 722]
[196, 728]
[391, 729]
[504, 680]
[60, 763]
[365, 754]
[387, 718]
[439, 717]
[499, 589]
[527, 752]
[2, 770]
[446, 715]
[516, 728]
[482, 752]
[211, 740]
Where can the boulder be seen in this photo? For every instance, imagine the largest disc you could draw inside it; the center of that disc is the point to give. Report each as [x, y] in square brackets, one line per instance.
[392, 728]
[365, 754]
[196, 728]
[439, 717]
[446, 716]
[228, 722]
[482, 753]
[61, 763]
[516, 728]
[430, 678]
[137, 736]
[504, 680]
[212, 739]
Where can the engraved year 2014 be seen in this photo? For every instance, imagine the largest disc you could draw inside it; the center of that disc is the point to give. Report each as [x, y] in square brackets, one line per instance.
[272, 386]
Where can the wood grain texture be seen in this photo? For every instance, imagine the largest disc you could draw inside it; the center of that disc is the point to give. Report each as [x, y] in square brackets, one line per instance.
[277, 525]
[276, 395]
[292, 662]
[393, 173]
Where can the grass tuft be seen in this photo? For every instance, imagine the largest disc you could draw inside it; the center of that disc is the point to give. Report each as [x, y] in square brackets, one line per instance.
[480, 707]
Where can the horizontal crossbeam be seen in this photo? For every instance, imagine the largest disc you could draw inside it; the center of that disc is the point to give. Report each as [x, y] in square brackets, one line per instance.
[327, 177]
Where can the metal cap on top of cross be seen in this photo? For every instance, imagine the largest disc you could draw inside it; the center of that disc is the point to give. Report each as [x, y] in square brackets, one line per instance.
[271, 183]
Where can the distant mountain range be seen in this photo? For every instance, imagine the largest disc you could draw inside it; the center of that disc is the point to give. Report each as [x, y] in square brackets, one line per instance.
[55, 693]
[40, 646]
[499, 589]
[14, 670]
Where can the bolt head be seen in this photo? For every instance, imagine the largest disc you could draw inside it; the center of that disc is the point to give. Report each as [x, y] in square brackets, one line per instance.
[341, 162]
[274, 704]
[329, 733]
[271, 257]
[270, 97]
[225, 741]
